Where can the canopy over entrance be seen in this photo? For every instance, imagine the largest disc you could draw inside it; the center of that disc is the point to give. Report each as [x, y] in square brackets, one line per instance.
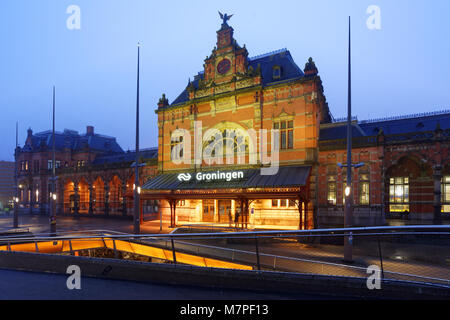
[247, 179]
[242, 186]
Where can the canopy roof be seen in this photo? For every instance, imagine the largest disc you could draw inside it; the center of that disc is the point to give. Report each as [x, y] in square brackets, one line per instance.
[287, 177]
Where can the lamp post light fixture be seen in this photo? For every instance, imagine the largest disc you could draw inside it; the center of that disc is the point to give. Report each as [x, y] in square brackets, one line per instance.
[347, 191]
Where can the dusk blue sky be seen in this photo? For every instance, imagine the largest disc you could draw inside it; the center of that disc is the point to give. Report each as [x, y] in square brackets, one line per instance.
[401, 69]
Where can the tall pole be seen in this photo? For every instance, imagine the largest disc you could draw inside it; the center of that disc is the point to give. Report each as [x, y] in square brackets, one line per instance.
[16, 197]
[137, 221]
[348, 241]
[53, 184]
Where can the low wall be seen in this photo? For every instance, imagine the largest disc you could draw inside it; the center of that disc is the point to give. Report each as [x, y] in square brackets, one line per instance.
[269, 282]
[362, 217]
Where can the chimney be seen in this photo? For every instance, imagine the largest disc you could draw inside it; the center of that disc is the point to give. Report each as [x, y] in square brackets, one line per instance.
[89, 130]
[29, 132]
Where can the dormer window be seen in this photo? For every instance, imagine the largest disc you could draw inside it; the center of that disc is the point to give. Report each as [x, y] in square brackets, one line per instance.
[276, 72]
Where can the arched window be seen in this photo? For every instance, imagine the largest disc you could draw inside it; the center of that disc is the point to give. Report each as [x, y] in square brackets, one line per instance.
[228, 141]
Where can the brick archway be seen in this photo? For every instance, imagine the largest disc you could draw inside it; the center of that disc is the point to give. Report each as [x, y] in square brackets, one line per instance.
[98, 196]
[409, 187]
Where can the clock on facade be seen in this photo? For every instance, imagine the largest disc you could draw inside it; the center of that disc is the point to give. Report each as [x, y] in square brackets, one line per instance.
[223, 66]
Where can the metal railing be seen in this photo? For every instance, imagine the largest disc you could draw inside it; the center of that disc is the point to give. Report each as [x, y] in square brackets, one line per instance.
[407, 253]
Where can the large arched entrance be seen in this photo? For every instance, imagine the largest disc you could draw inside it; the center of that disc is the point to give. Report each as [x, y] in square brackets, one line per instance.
[115, 196]
[98, 196]
[83, 196]
[69, 197]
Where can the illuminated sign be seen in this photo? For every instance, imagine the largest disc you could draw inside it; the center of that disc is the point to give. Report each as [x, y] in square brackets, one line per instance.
[212, 176]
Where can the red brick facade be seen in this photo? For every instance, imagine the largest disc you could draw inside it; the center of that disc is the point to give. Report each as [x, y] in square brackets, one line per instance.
[406, 172]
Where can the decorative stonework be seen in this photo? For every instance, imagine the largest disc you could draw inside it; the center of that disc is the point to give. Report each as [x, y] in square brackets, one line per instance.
[225, 103]
[222, 88]
[245, 83]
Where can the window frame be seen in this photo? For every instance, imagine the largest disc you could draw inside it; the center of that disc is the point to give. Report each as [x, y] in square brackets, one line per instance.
[276, 72]
[364, 182]
[445, 205]
[399, 203]
[286, 128]
[332, 182]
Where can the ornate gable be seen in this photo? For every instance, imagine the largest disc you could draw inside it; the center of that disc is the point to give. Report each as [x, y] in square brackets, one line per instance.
[228, 60]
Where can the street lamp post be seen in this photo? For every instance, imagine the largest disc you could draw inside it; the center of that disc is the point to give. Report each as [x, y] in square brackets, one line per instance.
[348, 210]
[137, 189]
[53, 178]
[16, 197]
[348, 213]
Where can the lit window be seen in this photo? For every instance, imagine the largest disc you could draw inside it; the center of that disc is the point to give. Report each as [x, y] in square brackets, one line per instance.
[445, 194]
[331, 190]
[364, 189]
[399, 194]
[24, 165]
[282, 203]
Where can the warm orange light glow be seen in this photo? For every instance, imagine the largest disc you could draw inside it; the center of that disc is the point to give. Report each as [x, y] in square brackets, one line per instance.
[95, 243]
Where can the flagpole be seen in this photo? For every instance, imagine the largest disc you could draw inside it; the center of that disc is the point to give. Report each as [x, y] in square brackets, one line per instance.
[136, 169]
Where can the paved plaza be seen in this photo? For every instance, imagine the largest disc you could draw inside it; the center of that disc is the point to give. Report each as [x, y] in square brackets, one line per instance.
[38, 224]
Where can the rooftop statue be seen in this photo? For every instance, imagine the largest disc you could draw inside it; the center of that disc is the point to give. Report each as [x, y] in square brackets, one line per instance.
[225, 17]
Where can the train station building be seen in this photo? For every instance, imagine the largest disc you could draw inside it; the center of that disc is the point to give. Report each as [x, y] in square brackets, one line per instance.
[251, 141]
